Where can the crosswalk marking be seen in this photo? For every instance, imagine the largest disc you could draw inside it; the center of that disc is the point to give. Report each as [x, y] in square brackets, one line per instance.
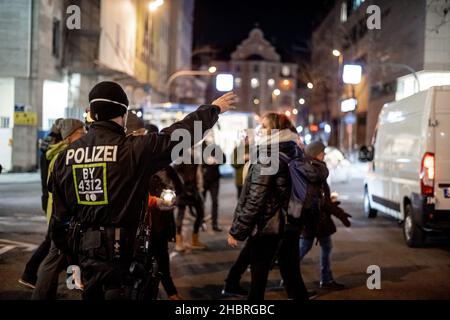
[8, 245]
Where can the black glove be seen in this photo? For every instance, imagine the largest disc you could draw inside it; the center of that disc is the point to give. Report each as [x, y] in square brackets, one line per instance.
[345, 220]
[341, 214]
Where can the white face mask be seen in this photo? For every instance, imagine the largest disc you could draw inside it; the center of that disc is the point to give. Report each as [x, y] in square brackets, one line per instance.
[125, 120]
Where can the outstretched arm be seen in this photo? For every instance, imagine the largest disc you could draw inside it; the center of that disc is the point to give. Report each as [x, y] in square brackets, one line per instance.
[158, 147]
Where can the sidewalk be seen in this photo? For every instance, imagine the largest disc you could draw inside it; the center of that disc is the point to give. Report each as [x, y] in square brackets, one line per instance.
[8, 178]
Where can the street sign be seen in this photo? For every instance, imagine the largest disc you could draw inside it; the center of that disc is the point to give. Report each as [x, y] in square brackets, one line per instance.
[352, 74]
[25, 118]
[348, 105]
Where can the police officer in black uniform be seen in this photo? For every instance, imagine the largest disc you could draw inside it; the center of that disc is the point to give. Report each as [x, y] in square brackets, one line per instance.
[100, 186]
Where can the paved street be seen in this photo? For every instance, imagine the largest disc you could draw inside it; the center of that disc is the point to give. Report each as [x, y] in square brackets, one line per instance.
[405, 273]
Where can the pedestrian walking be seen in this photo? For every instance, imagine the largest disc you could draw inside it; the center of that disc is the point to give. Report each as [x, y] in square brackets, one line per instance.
[55, 261]
[211, 177]
[320, 225]
[29, 275]
[241, 155]
[163, 227]
[261, 214]
[160, 212]
[191, 177]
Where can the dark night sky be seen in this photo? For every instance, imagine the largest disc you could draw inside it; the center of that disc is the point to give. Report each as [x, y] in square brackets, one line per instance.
[287, 24]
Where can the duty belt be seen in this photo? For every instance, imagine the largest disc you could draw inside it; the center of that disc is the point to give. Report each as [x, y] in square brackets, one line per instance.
[105, 243]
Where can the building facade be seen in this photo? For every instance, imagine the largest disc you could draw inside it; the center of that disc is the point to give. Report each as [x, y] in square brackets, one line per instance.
[412, 37]
[54, 67]
[262, 81]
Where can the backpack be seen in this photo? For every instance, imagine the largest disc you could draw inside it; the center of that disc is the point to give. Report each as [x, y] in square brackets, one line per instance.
[307, 176]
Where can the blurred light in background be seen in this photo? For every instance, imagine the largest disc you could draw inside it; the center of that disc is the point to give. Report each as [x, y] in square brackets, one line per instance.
[336, 53]
[153, 6]
[254, 83]
[310, 85]
[348, 105]
[294, 111]
[314, 128]
[256, 101]
[276, 92]
[327, 128]
[224, 82]
[301, 101]
[271, 82]
[299, 129]
[212, 69]
[352, 74]
[287, 113]
[307, 138]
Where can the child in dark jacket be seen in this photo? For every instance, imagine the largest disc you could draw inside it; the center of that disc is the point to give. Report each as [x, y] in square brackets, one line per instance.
[323, 226]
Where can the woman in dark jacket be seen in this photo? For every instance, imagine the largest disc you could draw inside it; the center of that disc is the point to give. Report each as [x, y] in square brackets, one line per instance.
[261, 213]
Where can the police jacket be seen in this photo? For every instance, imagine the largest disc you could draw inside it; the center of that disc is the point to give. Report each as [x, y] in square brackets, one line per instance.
[101, 180]
[262, 207]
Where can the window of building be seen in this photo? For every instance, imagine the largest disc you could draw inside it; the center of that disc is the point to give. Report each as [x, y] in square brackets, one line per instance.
[4, 122]
[343, 12]
[56, 42]
[255, 68]
[238, 68]
[254, 83]
[285, 71]
[237, 82]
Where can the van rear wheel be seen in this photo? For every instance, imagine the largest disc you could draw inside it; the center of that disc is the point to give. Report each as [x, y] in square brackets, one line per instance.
[368, 211]
[414, 235]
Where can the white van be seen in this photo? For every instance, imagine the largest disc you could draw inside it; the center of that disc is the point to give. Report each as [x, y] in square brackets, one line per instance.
[409, 174]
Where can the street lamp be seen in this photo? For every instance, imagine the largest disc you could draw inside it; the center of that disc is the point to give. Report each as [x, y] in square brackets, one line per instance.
[352, 74]
[212, 69]
[336, 53]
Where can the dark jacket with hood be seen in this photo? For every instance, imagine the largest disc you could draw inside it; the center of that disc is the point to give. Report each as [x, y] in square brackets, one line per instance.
[322, 225]
[262, 207]
[163, 221]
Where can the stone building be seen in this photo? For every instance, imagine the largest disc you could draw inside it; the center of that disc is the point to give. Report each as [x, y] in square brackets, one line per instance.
[47, 69]
[261, 80]
[412, 38]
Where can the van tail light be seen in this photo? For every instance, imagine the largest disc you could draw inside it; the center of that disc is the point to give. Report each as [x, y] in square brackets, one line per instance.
[427, 173]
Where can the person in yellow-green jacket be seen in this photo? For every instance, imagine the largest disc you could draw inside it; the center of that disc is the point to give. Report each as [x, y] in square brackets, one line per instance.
[52, 148]
[47, 278]
[52, 153]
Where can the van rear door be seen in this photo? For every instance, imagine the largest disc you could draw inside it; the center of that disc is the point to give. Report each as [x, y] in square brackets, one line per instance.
[442, 148]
